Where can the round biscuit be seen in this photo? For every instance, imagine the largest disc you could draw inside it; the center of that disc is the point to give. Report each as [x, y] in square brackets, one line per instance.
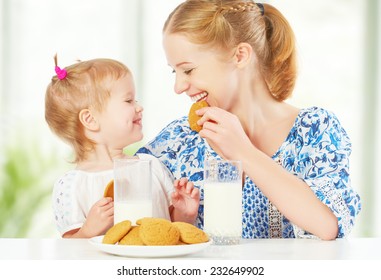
[132, 237]
[109, 190]
[193, 117]
[142, 220]
[117, 232]
[158, 232]
[191, 234]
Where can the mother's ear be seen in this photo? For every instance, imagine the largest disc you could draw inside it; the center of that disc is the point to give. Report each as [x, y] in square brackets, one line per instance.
[88, 120]
[243, 54]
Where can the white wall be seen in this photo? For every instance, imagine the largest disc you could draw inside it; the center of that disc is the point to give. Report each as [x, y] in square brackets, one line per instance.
[329, 37]
[161, 104]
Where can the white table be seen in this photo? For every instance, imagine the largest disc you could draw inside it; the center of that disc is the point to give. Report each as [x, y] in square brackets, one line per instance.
[256, 249]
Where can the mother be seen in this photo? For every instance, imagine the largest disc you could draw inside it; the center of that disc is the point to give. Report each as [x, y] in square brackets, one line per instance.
[240, 57]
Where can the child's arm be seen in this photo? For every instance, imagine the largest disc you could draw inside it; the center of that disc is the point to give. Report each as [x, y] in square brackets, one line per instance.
[185, 201]
[99, 219]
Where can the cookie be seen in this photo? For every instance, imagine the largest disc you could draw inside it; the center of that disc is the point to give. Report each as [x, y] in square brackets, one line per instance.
[191, 234]
[132, 237]
[109, 190]
[117, 232]
[158, 232]
[193, 117]
[141, 220]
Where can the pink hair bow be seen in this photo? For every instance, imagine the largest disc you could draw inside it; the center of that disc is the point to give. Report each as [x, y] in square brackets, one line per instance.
[61, 73]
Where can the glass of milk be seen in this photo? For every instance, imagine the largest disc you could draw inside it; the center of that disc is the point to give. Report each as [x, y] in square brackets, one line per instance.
[132, 190]
[223, 201]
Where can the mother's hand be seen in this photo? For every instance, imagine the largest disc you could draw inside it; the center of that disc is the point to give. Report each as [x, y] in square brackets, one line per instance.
[224, 132]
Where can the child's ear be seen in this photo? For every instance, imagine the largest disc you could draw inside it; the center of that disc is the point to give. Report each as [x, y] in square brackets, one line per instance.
[88, 120]
[243, 54]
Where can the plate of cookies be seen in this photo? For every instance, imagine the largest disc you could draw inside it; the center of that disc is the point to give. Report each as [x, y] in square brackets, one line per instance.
[152, 238]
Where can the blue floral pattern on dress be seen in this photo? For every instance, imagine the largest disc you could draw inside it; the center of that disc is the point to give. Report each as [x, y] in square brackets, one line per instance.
[316, 150]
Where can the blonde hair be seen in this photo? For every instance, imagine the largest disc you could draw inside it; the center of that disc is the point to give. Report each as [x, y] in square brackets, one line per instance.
[87, 85]
[226, 23]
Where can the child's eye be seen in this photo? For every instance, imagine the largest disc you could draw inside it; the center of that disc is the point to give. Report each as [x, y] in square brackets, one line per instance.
[132, 101]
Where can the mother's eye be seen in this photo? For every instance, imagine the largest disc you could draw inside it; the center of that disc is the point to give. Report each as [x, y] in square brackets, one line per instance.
[187, 72]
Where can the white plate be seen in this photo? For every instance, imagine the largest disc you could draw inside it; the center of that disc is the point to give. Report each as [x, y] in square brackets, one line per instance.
[147, 251]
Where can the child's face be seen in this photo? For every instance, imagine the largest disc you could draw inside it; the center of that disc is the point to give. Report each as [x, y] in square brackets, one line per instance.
[121, 119]
[201, 72]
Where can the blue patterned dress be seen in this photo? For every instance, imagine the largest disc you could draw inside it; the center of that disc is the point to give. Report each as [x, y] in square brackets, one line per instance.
[316, 150]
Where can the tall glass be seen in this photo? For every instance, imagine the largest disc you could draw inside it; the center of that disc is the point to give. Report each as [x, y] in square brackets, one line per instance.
[132, 190]
[223, 201]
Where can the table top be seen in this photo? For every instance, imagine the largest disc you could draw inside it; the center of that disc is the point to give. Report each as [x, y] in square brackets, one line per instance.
[255, 249]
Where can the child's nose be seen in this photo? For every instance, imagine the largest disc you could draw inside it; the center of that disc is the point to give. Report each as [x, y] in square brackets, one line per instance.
[138, 107]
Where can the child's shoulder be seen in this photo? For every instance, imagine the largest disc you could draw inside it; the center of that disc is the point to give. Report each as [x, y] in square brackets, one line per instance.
[69, 175]
[66, 181]
[77, 176]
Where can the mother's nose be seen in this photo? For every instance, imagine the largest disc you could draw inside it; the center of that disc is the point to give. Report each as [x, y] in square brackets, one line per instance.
[181, 84]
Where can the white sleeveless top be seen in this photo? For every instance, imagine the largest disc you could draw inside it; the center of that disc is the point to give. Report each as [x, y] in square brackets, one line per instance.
[77, 191]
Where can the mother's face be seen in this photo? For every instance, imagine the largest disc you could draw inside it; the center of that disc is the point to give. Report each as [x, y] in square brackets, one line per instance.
[201, 72]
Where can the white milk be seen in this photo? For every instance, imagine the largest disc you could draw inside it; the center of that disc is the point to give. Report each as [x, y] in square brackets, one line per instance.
[223, 209]
[132, 210]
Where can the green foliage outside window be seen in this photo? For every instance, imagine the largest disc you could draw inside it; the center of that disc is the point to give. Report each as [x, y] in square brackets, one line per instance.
[25, 186]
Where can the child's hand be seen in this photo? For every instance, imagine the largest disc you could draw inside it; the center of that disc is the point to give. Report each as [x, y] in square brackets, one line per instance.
[185, 200]
[100, 218]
